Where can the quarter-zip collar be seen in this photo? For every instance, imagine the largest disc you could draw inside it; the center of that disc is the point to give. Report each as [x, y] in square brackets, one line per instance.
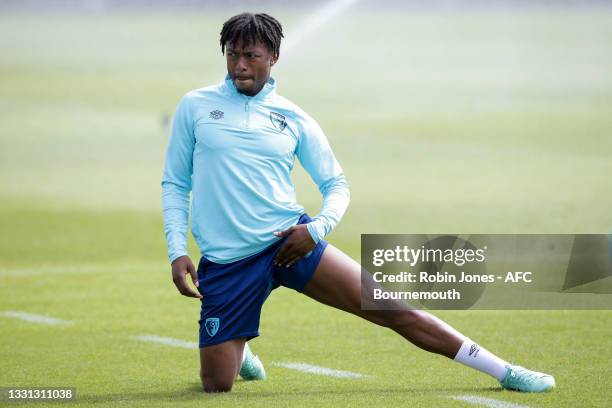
[268, 89]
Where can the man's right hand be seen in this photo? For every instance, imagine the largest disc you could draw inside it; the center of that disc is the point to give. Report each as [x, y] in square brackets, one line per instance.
[181, 267]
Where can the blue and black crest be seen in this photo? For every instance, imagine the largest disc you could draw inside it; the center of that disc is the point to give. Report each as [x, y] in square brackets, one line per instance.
[278, 121]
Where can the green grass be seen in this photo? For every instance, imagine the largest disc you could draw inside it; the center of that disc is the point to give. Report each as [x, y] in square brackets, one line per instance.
[472, 122]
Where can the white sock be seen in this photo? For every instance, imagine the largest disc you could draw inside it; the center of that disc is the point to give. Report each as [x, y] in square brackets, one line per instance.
[479, 358]
[246, 352]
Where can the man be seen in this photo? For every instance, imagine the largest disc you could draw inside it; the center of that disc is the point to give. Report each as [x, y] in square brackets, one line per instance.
[233, 147]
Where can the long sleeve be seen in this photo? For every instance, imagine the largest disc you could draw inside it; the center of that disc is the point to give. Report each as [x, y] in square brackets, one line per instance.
[317, 158]
[176, 180]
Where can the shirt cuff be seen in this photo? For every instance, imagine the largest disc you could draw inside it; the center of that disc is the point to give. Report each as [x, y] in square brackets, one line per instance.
[173, 256]
[316, 230]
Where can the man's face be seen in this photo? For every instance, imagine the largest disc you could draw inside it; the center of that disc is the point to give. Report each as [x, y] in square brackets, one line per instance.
[249, 66]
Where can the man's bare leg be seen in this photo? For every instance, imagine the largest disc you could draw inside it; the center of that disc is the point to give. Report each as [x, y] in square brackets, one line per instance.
[220, 364]
[337, 283]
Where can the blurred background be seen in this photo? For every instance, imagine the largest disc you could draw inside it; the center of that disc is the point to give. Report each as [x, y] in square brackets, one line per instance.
[447, 117]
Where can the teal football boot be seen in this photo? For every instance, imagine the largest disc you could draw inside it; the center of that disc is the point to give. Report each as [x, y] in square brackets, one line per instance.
[521, 379]
[251, 368]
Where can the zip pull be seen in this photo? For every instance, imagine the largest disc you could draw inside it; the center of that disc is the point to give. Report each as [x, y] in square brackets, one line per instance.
[247, 121]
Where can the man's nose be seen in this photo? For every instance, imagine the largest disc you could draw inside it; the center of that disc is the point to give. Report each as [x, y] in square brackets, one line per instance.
[241, 64]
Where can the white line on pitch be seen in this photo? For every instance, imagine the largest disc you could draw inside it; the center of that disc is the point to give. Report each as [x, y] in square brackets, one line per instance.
[487, 402]
[35, 318]
[313, 369]
[303, 367]
[168, 341]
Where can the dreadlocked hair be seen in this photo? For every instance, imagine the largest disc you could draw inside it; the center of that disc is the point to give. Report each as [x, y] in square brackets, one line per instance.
[248, 28]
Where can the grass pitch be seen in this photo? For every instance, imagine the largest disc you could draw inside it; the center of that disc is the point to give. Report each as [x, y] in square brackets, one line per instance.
[475, 122]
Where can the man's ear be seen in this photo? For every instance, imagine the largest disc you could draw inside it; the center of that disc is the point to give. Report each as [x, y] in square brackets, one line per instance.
[273, 60]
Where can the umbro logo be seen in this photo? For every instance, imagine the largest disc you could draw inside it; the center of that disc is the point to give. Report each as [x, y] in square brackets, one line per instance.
[474, 349]
[216, 114]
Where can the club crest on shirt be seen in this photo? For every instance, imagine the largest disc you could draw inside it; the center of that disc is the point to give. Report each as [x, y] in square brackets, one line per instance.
[216, 114]
[212, 326]
[278, 121]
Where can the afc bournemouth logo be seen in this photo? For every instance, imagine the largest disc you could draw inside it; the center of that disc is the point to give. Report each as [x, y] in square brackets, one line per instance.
[212, 326]
[216, 114]
[278, 121]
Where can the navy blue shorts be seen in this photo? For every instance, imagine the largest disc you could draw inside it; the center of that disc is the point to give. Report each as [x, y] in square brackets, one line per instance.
[234, 293]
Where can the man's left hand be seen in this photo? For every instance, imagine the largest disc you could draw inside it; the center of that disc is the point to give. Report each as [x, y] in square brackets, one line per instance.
[298, 243]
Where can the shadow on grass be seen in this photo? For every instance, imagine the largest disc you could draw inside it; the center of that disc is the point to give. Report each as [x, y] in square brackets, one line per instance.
[193, 392]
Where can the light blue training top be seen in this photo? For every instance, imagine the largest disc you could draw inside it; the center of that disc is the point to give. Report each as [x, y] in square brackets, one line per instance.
[235, 153]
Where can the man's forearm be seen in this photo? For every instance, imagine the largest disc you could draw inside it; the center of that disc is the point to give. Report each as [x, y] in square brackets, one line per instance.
[336, 198]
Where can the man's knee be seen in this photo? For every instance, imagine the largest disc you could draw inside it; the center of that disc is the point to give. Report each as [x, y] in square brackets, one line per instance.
[219, 365]
[212, 383]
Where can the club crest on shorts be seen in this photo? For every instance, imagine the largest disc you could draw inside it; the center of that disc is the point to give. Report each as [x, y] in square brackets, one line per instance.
[278, 121]
[212, 326]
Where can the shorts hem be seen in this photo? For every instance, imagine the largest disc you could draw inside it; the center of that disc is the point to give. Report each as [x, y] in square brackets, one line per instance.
[301, 289]
[248, 336]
